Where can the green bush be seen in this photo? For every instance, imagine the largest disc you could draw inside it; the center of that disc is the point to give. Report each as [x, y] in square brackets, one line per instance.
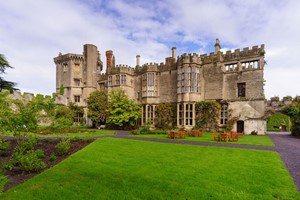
[30, 162]
[276, 120]
[3, 180]
[52, 157]
[40, 153]
[4, 145]
[63, 147]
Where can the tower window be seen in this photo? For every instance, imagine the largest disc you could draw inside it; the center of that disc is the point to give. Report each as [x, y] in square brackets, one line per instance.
[77, 98]
[241, 89]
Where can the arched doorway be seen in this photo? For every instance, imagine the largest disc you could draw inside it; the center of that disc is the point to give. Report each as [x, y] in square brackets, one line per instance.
[240, 126]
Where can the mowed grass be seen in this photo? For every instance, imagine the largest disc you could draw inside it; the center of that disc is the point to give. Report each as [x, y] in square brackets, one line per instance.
[113, 168]
[261, 140]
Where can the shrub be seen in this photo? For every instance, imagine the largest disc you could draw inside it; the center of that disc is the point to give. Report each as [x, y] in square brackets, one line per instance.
[52, 157]
[3, 180]
[88, 139]
[63, 147]
[40, 153]
[4, 145]
[30, 162]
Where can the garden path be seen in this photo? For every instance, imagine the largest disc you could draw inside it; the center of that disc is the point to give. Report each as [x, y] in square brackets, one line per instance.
[288, 147]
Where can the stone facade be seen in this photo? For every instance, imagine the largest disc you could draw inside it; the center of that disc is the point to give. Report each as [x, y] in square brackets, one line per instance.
[234, 79]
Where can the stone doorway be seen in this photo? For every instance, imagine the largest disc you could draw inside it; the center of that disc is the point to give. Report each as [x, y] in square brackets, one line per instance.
[240, 126]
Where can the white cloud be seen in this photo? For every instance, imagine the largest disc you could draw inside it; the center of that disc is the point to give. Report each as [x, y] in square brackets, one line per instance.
[32, 33]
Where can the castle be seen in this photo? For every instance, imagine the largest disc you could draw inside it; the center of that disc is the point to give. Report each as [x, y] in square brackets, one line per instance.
[233, 79]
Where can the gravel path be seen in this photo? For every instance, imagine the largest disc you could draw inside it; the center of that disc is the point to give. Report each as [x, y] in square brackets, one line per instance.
[286, 145]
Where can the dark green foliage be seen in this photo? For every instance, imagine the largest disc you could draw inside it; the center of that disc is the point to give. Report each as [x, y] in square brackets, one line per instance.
[40, 153]
[52, 157]
[207, 114]
[3, 180]
[63, 116]
[4, 145]
[97, 106]
[293, 110]
[63, 147]
[165, 116]
[30, 161]
[7, 85]
[277, 120]
[122, 111]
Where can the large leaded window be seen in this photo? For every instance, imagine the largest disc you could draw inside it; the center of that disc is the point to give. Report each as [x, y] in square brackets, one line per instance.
[110, 81]
[186, 114]
[148, 83]
[123, 79]
[117, 79]
[224, 114]
[188, 79]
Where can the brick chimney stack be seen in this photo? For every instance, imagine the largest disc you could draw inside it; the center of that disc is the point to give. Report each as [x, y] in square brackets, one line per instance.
[109, 59]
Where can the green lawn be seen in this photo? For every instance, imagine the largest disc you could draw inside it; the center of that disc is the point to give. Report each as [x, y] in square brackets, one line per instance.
[262, 140]
[113, 168]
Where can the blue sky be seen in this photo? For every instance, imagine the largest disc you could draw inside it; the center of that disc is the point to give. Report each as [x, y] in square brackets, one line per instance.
[33, 32]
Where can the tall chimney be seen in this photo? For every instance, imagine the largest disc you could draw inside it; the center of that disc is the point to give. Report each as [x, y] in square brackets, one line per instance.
[138, 60]
[217, 46]
[174, 52]
[109, 59]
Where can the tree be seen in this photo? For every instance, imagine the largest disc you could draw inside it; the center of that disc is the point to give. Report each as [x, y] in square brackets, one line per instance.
[97, 104]
[122, 111]
[293, 110]
[207, 114]
[165, 116]
[8, 85]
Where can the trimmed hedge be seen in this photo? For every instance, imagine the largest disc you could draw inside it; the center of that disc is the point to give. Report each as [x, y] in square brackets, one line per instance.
[276, 120]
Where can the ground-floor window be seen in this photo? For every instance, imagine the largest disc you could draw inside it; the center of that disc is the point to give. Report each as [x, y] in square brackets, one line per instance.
[148, 113]
[186, 114]
[224, 114]
[78, 117]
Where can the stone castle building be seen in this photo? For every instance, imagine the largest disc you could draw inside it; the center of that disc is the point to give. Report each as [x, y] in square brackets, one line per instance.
[233, 79]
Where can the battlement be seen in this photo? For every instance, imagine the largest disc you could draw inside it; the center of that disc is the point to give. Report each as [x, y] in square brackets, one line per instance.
[189, 58]
[247, 52]
[126, 69]
[27, 96]
[102, 77]
[66, 57]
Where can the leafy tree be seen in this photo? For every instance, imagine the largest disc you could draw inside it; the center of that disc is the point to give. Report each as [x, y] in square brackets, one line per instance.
[8, 85]
[97, 104]
[63, 116]
[122, 111]
[6, 113]
[207, 114]
[293, 110]
[165, 116]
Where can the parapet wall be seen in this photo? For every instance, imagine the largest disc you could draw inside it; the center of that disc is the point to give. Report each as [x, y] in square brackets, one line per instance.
[237, 54]
[126, 69]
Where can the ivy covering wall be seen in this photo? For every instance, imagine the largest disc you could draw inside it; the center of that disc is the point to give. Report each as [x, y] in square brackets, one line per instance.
[275, 121]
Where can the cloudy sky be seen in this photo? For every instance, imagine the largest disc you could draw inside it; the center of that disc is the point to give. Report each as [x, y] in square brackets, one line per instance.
[33, 32]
